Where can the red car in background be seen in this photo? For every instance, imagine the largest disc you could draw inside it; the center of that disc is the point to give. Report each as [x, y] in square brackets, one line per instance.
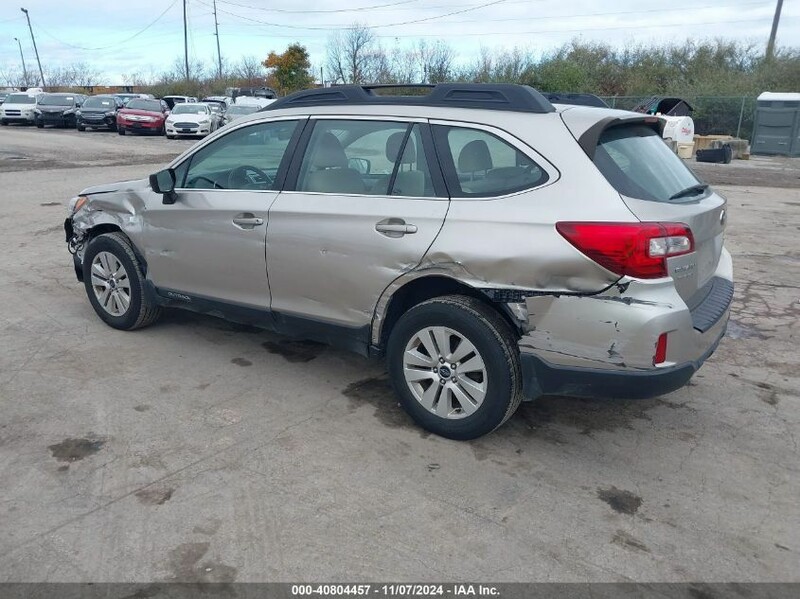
[142, 115]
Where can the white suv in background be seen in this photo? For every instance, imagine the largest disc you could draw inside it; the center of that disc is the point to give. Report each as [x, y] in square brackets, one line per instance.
[19, 107]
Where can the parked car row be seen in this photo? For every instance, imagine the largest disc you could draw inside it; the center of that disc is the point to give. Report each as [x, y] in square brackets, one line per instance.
[172, 116]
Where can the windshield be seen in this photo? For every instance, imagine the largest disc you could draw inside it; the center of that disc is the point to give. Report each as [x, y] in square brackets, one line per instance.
[20, 99]
[242, 109]
[49, 100]
[189, 109]
[107, 103]
[637, 162]
[139, 104]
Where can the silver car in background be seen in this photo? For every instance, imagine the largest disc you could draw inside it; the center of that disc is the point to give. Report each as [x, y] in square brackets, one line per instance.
[491, 246]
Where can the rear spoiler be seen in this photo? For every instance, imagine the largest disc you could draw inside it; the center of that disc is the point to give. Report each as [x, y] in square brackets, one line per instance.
[588, 141]
[575, 99]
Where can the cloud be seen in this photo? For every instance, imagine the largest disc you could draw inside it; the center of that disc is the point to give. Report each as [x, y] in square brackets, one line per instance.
[122, 38]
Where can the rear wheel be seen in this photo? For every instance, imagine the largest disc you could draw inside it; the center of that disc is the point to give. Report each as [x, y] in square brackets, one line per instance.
[454, 364]
[114, 282]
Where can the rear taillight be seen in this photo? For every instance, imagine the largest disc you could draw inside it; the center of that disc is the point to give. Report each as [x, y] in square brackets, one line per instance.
[638, 250]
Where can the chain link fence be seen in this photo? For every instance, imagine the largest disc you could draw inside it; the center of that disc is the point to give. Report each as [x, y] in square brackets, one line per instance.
[713, 115]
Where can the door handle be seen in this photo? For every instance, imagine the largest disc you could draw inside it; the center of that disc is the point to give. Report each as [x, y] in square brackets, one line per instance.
[395, 227]
[247, 221]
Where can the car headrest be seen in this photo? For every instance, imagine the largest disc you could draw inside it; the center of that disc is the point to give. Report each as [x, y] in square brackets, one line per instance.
[475, 156]
[393, 148]
[328, 153]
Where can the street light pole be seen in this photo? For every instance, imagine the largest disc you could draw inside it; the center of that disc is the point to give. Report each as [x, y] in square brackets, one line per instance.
[22, 57]
[39, 62]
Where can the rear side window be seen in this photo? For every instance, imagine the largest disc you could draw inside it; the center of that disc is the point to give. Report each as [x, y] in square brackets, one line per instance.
[637, 162]
[480, 164]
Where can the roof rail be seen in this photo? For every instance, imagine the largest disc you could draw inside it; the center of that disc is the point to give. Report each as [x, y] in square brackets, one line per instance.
[483, 96]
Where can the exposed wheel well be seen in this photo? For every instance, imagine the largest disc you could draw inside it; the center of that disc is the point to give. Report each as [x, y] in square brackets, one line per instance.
[425, 288]
[103, 228]
[112, 228]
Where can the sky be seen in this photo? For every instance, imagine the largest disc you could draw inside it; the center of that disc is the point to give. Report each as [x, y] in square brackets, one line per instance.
[119, 38]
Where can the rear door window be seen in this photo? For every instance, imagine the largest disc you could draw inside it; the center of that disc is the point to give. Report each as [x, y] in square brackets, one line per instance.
[637, 162]
[480, 164]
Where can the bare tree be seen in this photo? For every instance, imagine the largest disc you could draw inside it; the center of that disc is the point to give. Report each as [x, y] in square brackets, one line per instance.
[250, 69]
[15, 78]
[352, 55]
[436, 61]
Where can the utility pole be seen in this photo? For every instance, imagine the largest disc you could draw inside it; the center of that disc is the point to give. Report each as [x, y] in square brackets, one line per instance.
[22, 57]
[775, 20]
[216, 33]
[39, 62]
[185, 42]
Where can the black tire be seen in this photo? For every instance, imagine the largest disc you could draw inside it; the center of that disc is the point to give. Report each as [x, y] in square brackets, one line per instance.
[121, 131]
[170, 136]
[40, 125]
[4, 123]
[493, 339]
[81, 128]
[141, 311]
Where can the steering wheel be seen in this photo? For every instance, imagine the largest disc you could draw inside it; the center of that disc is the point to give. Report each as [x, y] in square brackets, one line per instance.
[202, 178]
[238, 177]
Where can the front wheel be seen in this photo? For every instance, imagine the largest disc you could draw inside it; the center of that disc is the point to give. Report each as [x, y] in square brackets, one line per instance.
[81, 128]
[121, 131]
[454, 364]
[114, 282]
[40, 125]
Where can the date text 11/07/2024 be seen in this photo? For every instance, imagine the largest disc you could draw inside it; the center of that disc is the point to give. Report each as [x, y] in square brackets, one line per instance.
[395, 590]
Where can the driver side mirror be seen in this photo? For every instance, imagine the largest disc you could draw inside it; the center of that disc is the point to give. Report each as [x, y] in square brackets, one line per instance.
[163, 182]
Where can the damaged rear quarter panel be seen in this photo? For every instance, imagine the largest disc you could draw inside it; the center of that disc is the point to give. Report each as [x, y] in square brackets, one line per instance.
[612, 330]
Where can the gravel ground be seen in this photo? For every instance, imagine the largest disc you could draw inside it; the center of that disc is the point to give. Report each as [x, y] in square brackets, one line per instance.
[199, 450]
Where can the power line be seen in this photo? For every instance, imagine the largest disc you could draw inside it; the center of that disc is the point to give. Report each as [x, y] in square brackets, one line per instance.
[326, 28]
[330, 26]
[321, 11]
[581, 29]
[510, 33]
[135, 35]
[605, 14]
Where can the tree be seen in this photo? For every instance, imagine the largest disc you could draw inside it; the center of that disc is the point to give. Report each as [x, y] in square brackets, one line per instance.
[436, 61]
[250, 70]
[350, 55]
[291, 69]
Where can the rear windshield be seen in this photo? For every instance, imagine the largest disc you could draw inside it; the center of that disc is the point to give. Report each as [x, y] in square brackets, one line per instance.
[20, 99]
[139, 104]
[57, 101]
[637, 162]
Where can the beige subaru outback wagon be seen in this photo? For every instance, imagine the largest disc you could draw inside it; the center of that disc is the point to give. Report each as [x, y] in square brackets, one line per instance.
[490, 245]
